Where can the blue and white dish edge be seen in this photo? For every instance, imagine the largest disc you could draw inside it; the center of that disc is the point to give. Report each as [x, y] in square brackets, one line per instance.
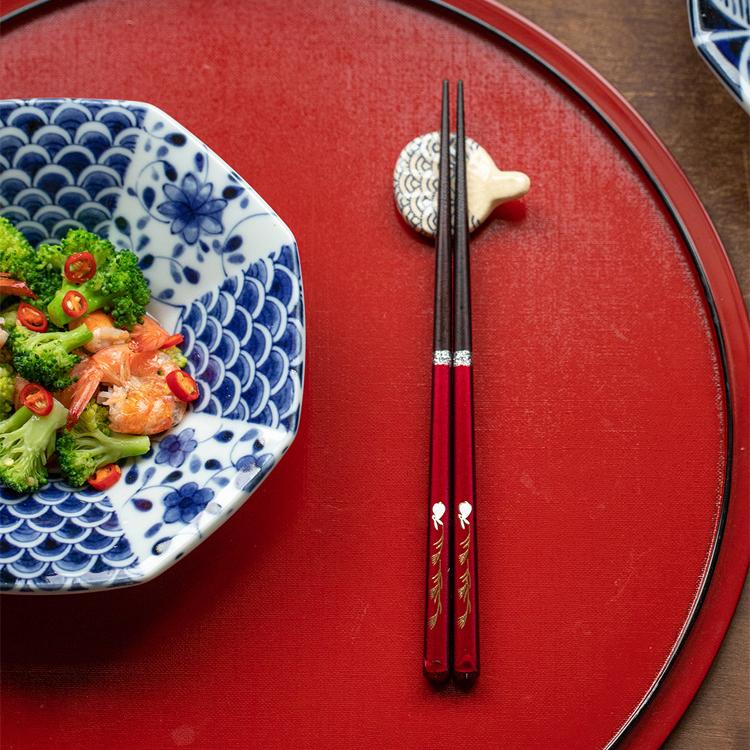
[721, 33]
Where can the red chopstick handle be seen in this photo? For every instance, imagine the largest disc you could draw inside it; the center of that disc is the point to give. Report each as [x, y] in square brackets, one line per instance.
[465, 610]
[437, 610]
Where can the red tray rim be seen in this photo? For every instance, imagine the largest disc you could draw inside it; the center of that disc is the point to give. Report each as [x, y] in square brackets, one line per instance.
[682, 674]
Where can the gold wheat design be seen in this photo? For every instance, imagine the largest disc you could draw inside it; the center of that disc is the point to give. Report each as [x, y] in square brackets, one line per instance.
[465, 579]
[437, 579]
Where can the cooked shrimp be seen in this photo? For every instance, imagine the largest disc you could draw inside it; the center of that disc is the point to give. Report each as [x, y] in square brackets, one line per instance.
[140, 402]
[110, 366]
[104, 330]
[146, 364]
[145, 404]
[14, 288]
[148, 336]
[143, 407]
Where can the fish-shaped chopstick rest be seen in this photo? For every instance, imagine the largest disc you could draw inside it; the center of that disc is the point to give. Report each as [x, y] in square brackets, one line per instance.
[415, 182]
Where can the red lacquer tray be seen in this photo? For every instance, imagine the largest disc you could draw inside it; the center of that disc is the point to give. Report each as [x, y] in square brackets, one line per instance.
[611, 377]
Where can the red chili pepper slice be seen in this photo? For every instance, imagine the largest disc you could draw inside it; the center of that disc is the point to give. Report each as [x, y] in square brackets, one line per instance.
[36, 399]
[104, 477]
[74, 304]
[183, 386]
[35, 320]
[79, 267]
[14, 287]
[173, 340]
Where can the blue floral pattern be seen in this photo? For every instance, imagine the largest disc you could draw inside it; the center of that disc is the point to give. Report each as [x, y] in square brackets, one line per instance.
[224, 272]
[173, 449]
[186, 503]
[192, 209]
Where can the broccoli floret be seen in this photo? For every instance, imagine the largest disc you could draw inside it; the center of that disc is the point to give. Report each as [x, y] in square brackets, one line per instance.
[7, 390]
[46, 358]
[118, 286]
[95, 417]
[43, 273]
[89, 445]
[9, 316]
[176, 356]
[15, 251]
[7, 323]
[26, 442]
[41, 269]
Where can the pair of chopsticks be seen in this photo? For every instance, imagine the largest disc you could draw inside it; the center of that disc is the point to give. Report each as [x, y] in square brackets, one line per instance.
[451, 612]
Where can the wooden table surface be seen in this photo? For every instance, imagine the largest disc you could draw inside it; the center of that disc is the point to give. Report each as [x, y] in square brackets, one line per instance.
[643, 48]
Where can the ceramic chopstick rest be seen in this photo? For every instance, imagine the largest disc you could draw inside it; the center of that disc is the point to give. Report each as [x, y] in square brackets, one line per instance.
[415, 182]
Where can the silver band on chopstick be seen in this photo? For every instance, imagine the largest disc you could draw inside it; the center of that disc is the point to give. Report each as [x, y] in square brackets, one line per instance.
[441, 357]
[462, 358]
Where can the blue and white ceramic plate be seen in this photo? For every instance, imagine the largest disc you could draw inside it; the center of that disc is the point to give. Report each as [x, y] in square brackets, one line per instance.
[721, 33]
[224, 271]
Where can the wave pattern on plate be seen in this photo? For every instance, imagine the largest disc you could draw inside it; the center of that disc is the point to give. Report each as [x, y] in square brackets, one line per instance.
[245, 343]
[62, 539]
[62, 163]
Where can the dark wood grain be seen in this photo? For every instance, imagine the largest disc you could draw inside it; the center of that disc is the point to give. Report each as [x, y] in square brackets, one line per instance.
[644, 49]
